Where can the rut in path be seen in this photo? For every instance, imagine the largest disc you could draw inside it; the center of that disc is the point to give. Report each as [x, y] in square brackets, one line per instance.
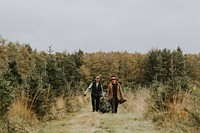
[85, 121]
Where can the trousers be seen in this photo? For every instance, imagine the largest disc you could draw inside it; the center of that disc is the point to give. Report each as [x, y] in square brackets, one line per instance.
[114, 105]
[95, 102]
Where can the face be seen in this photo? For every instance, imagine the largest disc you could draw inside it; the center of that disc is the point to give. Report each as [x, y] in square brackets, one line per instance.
[113, 80]
[97, 78]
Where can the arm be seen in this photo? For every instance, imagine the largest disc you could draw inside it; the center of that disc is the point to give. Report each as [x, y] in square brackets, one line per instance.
[90, 86]
[102, 90]
[109, 91]
[122, 99]
[121, 92]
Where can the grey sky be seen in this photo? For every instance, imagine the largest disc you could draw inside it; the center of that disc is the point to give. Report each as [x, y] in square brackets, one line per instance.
[102, 25]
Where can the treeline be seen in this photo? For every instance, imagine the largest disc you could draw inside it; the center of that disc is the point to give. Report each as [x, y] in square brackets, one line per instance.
[42, 76]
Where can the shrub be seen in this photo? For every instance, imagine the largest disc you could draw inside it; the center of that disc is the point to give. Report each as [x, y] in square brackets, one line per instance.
[6, 95]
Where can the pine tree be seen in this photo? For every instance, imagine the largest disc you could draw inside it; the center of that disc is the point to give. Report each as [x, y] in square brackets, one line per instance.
[6, 95]
[13, 75]
[153, 67]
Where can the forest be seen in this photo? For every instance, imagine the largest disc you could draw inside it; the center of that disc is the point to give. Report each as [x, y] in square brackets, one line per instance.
[37, 78]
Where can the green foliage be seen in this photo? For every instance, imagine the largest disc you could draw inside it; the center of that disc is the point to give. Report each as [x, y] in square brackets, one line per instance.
[53, 76]
[124, 65]
[13, 75]
[6, 95]
[43, 76]
[166, 66]
[183, 115]
[167, 73]
[39, 98]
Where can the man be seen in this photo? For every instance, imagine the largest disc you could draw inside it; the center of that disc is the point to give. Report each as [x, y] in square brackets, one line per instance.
[97, 91]
[115, 94]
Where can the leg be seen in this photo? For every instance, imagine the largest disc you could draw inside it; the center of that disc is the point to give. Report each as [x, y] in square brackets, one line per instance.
[116, 105]
[93, 103]
[97, 102]
[113, 105]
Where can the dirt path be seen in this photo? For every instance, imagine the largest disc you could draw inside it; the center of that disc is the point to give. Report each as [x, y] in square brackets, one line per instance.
[86, 121]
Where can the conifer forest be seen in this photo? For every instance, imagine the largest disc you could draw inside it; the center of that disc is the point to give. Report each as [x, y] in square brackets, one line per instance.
[37, 79]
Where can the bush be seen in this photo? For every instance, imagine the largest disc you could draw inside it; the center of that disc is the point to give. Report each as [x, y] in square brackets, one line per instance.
[181, 115]
[6, 95]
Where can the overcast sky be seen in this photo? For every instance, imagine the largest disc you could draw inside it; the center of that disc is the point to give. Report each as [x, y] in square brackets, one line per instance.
[102, 25]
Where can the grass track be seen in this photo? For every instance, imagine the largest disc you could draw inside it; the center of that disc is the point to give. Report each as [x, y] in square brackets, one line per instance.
[85, 121]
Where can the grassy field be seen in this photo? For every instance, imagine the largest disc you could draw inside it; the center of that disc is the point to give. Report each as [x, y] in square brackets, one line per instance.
[135, 115]
[93, 122]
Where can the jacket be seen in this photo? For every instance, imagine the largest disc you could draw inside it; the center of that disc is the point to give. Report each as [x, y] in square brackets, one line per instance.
[96, 90]
[119, 91]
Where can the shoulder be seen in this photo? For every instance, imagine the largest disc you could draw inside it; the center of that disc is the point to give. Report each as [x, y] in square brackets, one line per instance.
[92, 83]
[110, 85]
[118, 84]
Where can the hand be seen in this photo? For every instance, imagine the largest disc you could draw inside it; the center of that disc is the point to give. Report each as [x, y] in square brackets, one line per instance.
[122, 100]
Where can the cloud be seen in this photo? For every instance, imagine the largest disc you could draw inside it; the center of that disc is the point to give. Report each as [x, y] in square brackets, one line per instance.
[93, 25]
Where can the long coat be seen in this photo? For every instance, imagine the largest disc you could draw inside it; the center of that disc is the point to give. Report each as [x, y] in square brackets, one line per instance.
[119, 91]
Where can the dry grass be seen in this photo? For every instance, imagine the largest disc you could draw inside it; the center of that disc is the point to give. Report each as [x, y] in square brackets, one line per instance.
[58, 108]
[90, 122]
[21, 118]
[183, 115]
[75, 102]
[180, 117]
[62, 105]
[138, 102]
[21, 113]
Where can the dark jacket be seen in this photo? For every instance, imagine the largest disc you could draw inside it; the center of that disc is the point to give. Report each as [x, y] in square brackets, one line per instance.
[96, 90]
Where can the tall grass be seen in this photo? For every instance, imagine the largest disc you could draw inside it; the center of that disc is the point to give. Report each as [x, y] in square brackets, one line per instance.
[65, 105]
[137, 102]
[180, 115]
[20, 112]
[22, 118]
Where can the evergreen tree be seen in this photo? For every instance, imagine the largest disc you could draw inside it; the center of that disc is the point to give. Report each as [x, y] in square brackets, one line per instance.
[166, 58]
[6, 95]
[53, 74]
[153, 66]
[179, 71]
[13, 75]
